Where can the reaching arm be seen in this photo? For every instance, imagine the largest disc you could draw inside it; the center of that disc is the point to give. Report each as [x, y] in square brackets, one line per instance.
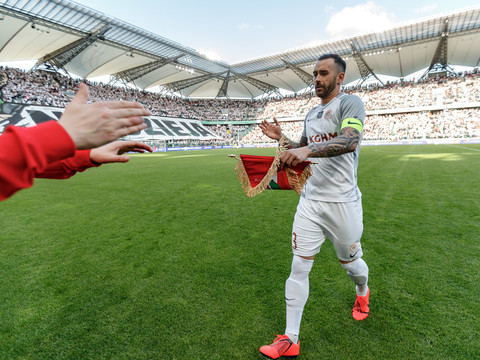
[345, 143]
[84, 159]
[24, 152]
[66, 168]
[96, 124]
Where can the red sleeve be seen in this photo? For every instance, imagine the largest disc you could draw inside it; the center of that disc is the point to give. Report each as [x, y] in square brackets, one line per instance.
[66, 168]
[25, 152]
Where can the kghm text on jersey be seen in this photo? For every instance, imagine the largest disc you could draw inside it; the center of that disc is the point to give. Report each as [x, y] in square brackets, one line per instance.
[322, 137]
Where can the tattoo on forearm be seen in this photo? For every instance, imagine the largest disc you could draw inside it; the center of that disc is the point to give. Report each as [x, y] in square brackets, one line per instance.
[346, 142]
[293, 145]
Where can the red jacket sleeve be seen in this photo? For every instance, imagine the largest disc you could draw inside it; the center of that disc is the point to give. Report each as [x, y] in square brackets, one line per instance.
[26, 152]
[64, 169]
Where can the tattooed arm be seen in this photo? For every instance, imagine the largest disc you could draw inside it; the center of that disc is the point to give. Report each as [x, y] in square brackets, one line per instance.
[345, 143]
[294, 145]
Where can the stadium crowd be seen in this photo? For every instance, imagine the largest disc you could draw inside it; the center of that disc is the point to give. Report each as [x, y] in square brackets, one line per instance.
[404, 101]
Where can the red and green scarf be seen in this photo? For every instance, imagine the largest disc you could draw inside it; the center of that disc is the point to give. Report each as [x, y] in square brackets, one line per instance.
[257, 173]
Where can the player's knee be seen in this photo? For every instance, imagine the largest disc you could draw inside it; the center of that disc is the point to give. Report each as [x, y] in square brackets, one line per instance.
[357, 270]
[301, 267]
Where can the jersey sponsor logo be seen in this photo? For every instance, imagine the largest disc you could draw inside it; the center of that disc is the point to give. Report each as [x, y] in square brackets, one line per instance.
[322, 137]
[328, 114]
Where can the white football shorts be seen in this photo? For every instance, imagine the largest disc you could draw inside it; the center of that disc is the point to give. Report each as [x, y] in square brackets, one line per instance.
[342, 223]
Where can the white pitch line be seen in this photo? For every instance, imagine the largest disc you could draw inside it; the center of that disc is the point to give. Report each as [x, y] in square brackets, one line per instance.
[463, 147]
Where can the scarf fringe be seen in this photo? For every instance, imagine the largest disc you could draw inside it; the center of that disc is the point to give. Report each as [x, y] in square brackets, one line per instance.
[296, 182]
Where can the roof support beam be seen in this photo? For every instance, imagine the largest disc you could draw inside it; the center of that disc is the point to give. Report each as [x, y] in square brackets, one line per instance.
[302, 74]
[183, 84]
[59, 58]
[266, 88]
[440, 57]
[132, 74]
[365, 70]
[223, 90]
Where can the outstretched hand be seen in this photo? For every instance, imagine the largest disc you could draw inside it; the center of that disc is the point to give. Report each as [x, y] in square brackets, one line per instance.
[113, 152]
[96, 124]
[273, 131]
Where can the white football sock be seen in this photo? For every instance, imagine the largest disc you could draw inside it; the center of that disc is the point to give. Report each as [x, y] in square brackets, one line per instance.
[296, 295]
[358, 272]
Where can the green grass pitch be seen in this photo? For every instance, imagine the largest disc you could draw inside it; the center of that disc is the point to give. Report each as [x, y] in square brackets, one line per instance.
[166, 258]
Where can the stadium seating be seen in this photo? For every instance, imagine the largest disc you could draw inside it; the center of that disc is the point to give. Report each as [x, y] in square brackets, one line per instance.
[447, 107]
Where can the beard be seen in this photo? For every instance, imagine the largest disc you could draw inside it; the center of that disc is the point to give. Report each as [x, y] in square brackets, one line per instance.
[325, 91]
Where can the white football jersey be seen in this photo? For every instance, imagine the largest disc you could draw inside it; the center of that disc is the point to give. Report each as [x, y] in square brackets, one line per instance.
[334, 179]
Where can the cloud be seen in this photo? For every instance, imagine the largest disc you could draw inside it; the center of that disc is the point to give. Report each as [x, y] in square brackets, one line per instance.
[426, 9]
[358, 20]
[243, 27]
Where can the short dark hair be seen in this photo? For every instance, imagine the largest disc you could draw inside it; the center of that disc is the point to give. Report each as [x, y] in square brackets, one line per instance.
[338, 60]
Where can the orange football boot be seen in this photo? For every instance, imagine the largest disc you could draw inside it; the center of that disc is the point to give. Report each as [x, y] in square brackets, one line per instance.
[281, 346]
[360, 309]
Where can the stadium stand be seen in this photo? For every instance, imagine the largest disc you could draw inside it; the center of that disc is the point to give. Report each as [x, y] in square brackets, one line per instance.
[443, 107]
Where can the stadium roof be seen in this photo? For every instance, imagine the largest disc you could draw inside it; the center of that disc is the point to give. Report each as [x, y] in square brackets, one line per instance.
[88, 43]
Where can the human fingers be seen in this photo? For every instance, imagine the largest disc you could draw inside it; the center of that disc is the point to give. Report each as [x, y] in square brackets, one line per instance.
[266, 125]
[140, 146]
[137, 150]
[122, 158]
[120, 104]
[81, 96]
[290, 158]
[136, 146]
[113, 158]
[129, 129]
[285, 158]
[125, 112]
[275, 121]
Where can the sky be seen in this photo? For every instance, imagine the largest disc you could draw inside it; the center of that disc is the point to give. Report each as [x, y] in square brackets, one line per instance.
[237, 31]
